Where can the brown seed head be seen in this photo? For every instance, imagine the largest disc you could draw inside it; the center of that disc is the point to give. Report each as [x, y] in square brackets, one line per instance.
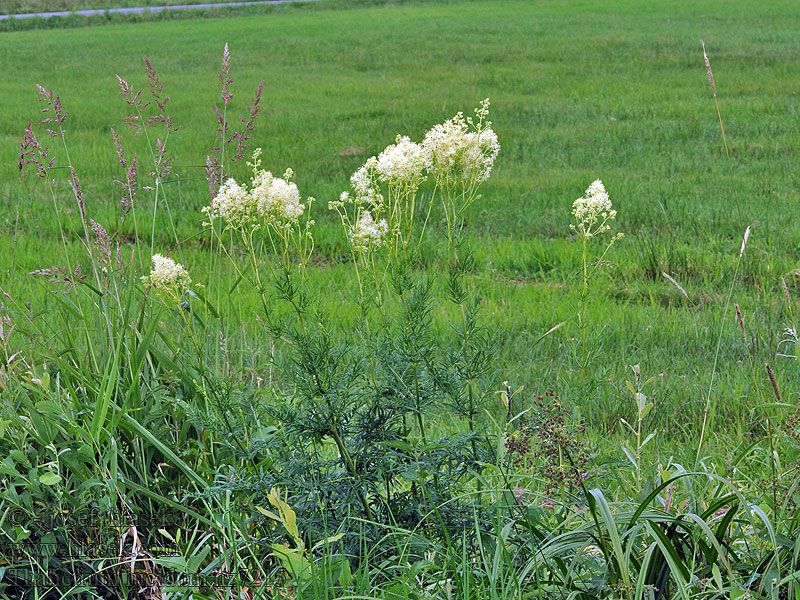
[708, 70]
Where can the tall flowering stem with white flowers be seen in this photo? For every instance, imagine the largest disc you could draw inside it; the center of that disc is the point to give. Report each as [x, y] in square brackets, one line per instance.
[272, 224]
[401, 166]
[170, 285]
[379, 215]
[363, 216]
[460, 153]
[379, 210]
[168, 278]
[593, 214]
[274, 227]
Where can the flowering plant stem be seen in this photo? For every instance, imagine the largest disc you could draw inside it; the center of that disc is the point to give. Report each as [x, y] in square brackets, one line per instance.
[582, 320]
[458, 296]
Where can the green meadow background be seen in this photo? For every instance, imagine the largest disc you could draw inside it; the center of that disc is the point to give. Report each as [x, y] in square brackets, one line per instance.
[579, 90]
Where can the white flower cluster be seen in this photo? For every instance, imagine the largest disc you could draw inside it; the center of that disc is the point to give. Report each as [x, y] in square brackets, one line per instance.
[403, 162]
[364, 184]
[233, 204]
[366, 234]
[458, 148]
[275, 200]
[593, 211]
[168, 276]
[459, 153]
[444, 143]
[481, 151]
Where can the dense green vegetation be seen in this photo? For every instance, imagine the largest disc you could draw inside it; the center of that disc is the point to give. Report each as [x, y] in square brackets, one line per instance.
[576, 94]
[579, 91]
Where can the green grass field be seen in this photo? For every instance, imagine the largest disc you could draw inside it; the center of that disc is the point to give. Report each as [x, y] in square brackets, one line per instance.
[579, 91]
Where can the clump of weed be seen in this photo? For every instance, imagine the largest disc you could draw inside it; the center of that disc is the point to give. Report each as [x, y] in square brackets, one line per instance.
[547, 443]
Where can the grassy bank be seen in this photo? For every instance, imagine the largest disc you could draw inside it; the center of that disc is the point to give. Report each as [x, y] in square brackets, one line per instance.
[577, 94]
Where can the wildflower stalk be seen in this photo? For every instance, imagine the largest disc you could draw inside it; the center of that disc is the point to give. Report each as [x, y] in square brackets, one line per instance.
[582, 318]
[458, 156]
[272, 207]
[593, 214]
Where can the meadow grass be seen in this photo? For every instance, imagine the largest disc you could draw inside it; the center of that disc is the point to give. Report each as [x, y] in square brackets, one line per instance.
[579, 91]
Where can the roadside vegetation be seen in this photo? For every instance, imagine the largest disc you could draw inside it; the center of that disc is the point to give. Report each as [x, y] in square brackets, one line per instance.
[269, 330]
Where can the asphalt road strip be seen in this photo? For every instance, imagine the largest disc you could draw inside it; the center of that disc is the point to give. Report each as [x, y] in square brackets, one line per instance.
[135, 10]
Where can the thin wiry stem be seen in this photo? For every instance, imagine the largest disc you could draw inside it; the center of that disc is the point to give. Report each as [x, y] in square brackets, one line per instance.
[707, 408]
